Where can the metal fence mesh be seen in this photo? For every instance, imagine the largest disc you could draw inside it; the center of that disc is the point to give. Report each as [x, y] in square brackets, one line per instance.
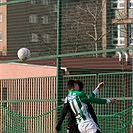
[68, 39]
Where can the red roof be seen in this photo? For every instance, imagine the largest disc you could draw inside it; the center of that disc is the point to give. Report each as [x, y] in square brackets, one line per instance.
[80, 62]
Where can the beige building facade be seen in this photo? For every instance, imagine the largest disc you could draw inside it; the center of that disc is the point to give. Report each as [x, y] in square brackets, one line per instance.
[3, 29]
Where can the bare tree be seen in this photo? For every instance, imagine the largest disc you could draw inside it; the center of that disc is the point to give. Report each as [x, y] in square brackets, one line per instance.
[84, 29]
[94, 13]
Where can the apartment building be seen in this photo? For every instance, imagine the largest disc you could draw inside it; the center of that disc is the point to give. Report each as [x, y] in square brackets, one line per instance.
[34, 25]
[30, 25]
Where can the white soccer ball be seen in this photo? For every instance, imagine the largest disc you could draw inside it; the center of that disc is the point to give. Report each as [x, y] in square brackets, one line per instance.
[23, 54]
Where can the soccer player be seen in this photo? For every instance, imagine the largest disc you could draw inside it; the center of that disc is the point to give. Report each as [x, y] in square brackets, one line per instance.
[72, 126]
[78, 101]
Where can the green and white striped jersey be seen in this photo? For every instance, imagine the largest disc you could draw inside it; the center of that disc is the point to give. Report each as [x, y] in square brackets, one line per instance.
[78, 101]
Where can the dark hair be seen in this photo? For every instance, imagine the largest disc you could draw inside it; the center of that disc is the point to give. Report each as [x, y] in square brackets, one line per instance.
[70, 84]
[80, 84]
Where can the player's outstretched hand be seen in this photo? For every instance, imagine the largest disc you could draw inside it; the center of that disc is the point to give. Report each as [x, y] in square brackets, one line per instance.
[113, 101]
[100, 85]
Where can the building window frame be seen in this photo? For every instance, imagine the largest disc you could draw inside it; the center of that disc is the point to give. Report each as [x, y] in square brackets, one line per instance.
[34, 37]
[45, 19]
[130, 9]
[33, 18]
[34, 2]
[45, 2]
[117, 4]
[118, 35]
[55, 8]
[46, 38]
[131, 4]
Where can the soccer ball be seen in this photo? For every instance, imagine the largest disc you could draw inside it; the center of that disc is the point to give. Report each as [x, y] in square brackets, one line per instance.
[23, 54]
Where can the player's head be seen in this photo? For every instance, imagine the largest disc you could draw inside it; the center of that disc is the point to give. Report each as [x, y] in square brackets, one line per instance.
[80, 84]
[72, 84]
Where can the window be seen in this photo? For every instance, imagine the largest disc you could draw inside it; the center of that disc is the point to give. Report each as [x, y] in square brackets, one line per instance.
[34, 2]
[45, 2]
[131, 9]
[34, 37]
[55, 8]
[46, 38]
[131, 4]
[0, 17]
[119, 14]
[0, 36]
[118, 35]
[118, 8]
[45, 19]
[33, 18]
[117, 4]
[130, 13]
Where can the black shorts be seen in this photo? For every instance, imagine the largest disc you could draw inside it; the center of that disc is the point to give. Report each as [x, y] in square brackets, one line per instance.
[98, 131]
[77, 131]
[73, 131]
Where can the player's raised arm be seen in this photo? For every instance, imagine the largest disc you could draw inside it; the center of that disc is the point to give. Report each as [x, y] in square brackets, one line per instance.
[100, 85]
[96, 91]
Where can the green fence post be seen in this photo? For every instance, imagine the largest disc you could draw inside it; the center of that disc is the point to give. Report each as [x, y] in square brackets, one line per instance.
[59, 34]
